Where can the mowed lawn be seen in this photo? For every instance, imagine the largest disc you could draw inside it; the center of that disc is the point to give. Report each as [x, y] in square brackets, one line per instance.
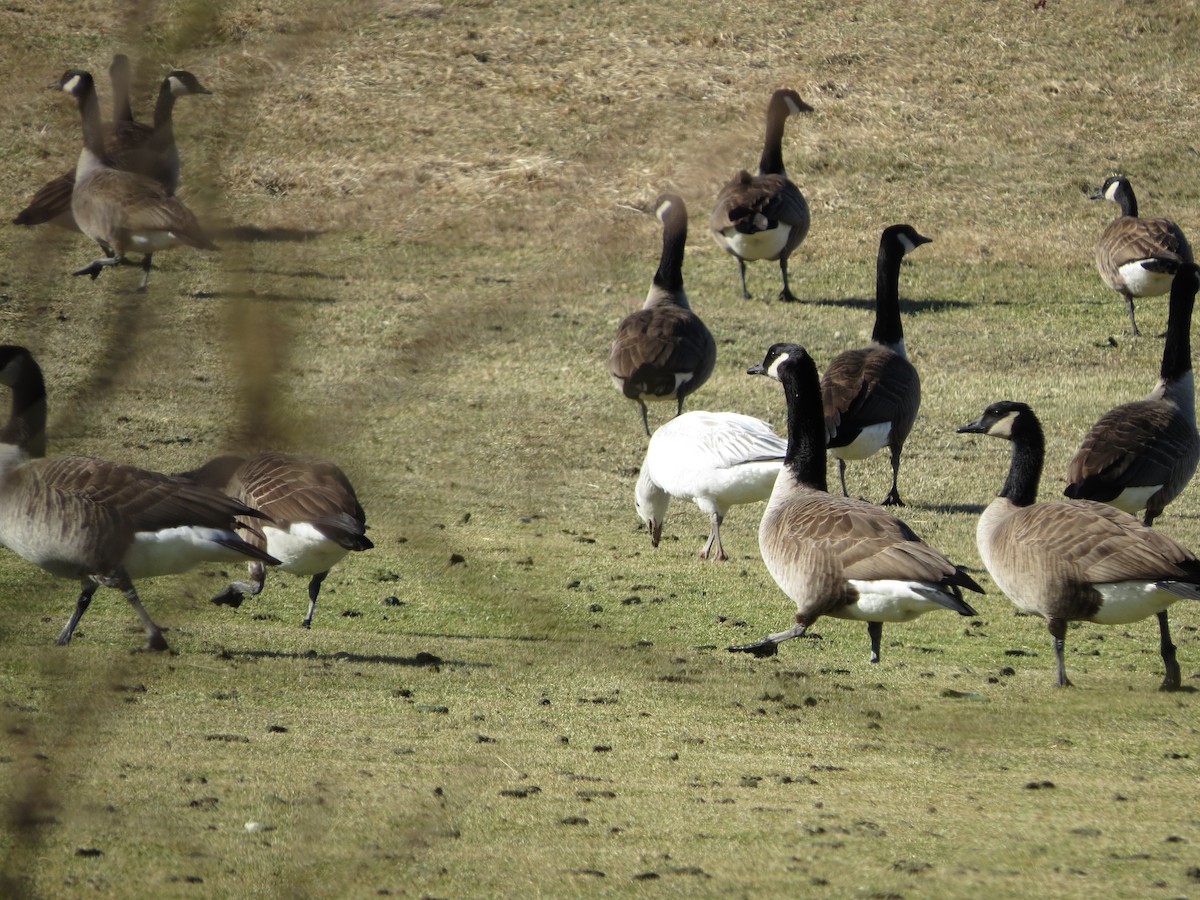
[431, 218]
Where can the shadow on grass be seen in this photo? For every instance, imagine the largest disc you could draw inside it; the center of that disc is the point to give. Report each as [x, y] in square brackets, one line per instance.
[254, 234]
[913, 307]
[420, 660]
[270, 297]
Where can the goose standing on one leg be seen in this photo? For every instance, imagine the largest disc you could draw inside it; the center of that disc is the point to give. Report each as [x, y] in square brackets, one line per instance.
[764, 216]
[316, 518]
[716, 460]
[872, 394]
[838, 556]
[1140, 455]
[1075, 560]
[122, 211]
[101, 522]
[663, 351]
[1137, 257]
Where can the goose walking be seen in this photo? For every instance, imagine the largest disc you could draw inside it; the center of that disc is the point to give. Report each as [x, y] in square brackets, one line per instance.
[663, 351]
[122, 211]
[315, 516]
[1140, 455]
[839, 556]
[715, 460]
[1137, 257]
[106, 523]
[1075, 560]
[872, 394]
[764, 216]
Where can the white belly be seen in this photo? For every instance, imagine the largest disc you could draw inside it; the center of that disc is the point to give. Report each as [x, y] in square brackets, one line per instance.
[870, 440]
[1141, 282]
[1131, 601]
[760, 245]
[302, 550]
[175, 550]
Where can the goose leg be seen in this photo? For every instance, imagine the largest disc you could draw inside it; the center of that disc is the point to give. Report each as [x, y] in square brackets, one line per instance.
[1171, 679]
[236, 592]
[714, 539]
[1058, 631]
[645, 421]
[1129, 307]
[893, 497]
[742, 274]
[87, 589]
[145, 273]
[95, 268]
[769, 645]
[786, 294]
[875, 633]
[842, 476]
[314, 588]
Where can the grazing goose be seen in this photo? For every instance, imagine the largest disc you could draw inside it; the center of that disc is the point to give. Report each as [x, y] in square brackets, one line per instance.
[1140, 455]
[764, 216]
[1137, 257]
[839, 556]
[316, 518]
[101, 522]
[1075, 560]
[122, 211]
[715, 460]
[26, 425]
[872, 394]
[663, 351]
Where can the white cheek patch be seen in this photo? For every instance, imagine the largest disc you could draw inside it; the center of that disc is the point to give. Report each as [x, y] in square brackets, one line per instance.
[773, 370]
[71, 84]
[793, 109]
[1004, 428]
[1110, 193]
[906, 243]
[662, 210]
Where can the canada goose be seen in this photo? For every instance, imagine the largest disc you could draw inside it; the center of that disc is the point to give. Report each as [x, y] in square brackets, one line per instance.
[101, 522]
[130, 146]
[840, 556]
[1137, 257]
[26, 425]
[872, 394]
[1140, 455]
[121, 211]
[663, 351]
[316, 518]
[764, 216]
[1075, 560]
[716, 460]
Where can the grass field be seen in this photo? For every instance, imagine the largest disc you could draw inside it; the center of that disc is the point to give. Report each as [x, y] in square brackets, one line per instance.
[432, 216]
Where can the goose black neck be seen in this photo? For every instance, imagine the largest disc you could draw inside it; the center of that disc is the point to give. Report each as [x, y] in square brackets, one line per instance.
[26, 425]
[164, 106]
[1025, 470]
[805, 456]
[771, 161]
[1127, 200]
[888, 327]
[669, 276]
[89, 111]
[1177, 351]
[122, 111]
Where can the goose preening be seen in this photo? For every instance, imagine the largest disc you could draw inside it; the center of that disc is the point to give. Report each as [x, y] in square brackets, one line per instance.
[1140, 455]
[122, 211]
[130, 146]
[1137, 257]
[315, 517]
[840, 556]
[715, 460]
[872, 394]
[663, 351]
[106, 523]
[1075, 560]
[764, 216]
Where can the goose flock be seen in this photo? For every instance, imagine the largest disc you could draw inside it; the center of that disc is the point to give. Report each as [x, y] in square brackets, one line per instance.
[1083, 558]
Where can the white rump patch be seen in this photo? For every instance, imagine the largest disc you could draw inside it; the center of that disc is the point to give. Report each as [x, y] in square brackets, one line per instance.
[1142, 282]
[1131, 601]
[302, 550]
[766, 244]
[889, 601]
[175, 550]
[870, 440]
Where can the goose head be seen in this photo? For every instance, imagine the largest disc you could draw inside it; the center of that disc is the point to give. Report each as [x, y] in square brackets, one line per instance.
[1006, 419]
[1112, 189]
[181, 83]
[786, 102]
[75, 82]
[902, 239]
[651, 503]
[778, 355]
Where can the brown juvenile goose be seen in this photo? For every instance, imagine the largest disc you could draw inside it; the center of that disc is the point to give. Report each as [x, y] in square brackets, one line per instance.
[764, 216]
[316, 518]
[872, 394]
[663, 351]
[131, 147]
[106, 523]
[122, 211]
[839, 556]
[1075, 560]
[1140, 455]
[1137, 257]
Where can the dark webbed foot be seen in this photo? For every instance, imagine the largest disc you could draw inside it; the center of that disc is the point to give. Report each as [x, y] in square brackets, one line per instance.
[761, 649]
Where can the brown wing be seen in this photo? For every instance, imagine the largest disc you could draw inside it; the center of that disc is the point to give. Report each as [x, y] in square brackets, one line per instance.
[51, 201]
[133, 203]
[652, 346]
[866, 387]
[1128, 239]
